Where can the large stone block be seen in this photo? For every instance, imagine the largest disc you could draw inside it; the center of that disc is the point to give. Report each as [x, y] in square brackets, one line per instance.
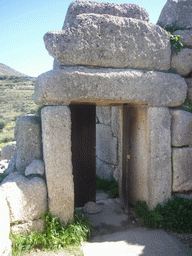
[8, 150]
[35, 167]
[106, 144]
[150, 161]
[104, 115]
[5, 244]
[28, 138]
[182, 169]
[27, 198]
[56, 128]
[110, 41]
[104, 170]
[120, 10]
[109, 86]
[160, 174]
[181, 128]
[186, 37]
[176, 13]
[182, 62]
[28, 227]
[138, 173]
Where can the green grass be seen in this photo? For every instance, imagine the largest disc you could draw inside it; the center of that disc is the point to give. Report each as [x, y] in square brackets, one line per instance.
[108, 185]
[174, 215]
[55, 236]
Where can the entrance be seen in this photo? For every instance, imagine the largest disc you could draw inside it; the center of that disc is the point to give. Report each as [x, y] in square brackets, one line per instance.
[83, 138]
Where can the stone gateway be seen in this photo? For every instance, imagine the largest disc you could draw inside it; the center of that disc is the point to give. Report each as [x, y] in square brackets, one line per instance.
[109, 55]
[108, 108]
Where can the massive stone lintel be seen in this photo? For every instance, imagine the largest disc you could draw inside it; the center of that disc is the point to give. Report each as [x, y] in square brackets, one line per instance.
[56, 130]
[109, 41]
[150, 172]
[109, 86]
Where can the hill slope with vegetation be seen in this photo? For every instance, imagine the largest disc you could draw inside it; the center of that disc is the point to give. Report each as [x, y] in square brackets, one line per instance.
[7, 71]
[16, 99]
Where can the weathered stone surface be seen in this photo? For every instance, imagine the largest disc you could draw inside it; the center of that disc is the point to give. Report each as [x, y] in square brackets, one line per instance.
[12, 164]
[186, 37]
[106, 144]
[150, 158]
[28, 138]
[91, 208]
[182, 62]
[115, 121]
[104, 115]
[116, 173]
[27, 198]
[176, 13]
[26, 228]
[5, 244]
[35, 167]
[160, 174]
[107, 86]
[181, 128]
[8, 150]
[182, 169]
[189, 91]
[104, 170]
[120, 10]
[56, 128]
[109, 41]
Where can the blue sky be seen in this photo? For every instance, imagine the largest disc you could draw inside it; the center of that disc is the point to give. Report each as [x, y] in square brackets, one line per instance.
[23, 24]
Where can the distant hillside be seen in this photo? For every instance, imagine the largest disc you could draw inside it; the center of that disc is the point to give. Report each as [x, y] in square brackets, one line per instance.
[7, 71]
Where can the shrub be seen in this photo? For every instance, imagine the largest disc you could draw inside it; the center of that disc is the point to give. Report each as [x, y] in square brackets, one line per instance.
[2, 125]
[174, 215]
[176, 44]
[55, 236]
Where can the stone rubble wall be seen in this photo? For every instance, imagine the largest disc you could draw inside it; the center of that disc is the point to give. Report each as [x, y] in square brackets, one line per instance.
[24, 188]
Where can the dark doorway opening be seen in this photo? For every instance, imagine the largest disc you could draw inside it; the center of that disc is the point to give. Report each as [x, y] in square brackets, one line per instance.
[83, 137]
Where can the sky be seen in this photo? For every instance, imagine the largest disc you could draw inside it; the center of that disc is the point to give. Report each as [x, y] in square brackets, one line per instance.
[23, 24]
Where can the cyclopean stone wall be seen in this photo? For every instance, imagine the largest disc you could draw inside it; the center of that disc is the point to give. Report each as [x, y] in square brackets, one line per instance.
[99, 55]
[177, 15]
[108, 55]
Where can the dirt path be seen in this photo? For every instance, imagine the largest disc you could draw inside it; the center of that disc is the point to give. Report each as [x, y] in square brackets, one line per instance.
[110, 220]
